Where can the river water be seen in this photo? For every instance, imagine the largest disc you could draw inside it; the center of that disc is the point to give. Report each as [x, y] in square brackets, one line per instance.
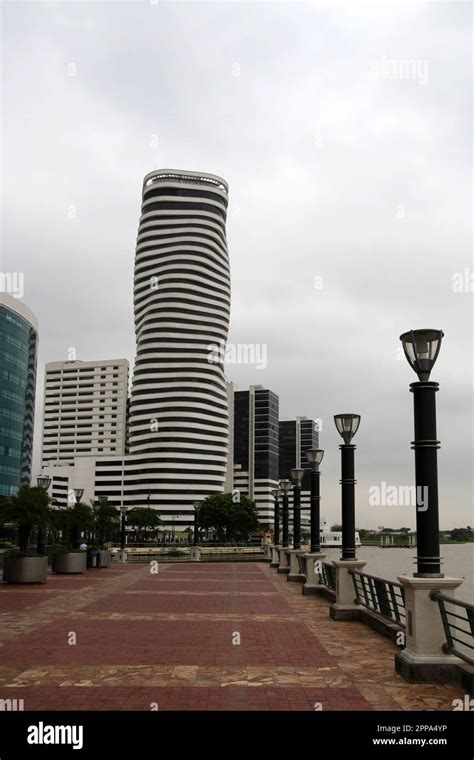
[458, 561]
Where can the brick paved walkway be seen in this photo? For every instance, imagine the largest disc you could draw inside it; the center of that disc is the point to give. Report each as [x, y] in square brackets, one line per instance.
[165, 641]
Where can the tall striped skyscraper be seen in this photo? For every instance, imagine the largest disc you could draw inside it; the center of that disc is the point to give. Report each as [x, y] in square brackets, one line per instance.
[178, 423]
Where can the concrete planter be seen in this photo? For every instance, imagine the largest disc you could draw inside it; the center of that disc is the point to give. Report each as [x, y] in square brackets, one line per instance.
[105, 557]
[69, 562]
[25, 569]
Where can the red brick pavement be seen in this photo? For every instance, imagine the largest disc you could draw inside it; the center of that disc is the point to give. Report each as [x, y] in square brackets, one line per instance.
[170, 639]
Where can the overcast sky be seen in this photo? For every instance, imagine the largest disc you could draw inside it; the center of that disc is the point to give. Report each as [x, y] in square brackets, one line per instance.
[344, 133]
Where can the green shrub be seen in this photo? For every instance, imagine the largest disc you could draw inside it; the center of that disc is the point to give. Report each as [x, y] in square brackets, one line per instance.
[18, 553]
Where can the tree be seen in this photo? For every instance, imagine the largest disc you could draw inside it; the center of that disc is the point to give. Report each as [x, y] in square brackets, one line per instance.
[229, 519]
[27, 508]
[336, 527]
[146, 521]
[106, 521]
[75, 519]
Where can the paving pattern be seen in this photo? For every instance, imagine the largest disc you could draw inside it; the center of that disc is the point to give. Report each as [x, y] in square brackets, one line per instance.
[194, 637]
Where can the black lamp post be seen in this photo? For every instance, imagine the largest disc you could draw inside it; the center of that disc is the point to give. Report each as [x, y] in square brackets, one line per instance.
[296, 476]
[76, 532]
[43, 482]
[196, 524]
[123, 527]
[315, 457]
[276, 525]
[347, 425]
[285, 487]
[421, 350]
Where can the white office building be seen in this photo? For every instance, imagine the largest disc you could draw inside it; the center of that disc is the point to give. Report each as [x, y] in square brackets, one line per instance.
[85, 410]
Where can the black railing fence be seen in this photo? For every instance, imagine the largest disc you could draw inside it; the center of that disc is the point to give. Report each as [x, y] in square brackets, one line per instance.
[458, 623]
[182, 554]
[387, 598]
[327, 575]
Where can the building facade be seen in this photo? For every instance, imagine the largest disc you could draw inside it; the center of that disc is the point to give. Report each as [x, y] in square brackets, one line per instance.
[18, 358]
[256, 446]
[178, 422]
[85, 410]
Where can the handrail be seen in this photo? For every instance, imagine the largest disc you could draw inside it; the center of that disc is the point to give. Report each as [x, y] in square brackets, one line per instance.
[380, 595]
[376, 578]
[452, 640]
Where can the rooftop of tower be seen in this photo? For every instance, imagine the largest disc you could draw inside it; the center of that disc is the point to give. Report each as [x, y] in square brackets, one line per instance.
[181, 175]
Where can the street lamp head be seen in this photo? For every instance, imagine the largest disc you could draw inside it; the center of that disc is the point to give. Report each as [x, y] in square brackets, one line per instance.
[43, 481]
[285, 486]
[421, 349]
[275, 493]
[314, 457]
[296, 474]
[347, 425]
[78, 493]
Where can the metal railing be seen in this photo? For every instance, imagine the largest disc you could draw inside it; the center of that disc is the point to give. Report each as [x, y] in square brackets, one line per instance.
[459, 638]
[302, 564]
[208, 554]
[327, 575]
[380, 595]
[233, 553]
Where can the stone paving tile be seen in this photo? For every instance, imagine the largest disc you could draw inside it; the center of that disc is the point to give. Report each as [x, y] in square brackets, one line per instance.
[11, 603]
[120, 641]
[192, 585]
[167, 639]
[184, 603]
[184, 697]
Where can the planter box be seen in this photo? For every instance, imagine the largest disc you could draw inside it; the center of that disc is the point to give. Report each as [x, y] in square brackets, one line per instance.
[69, 562]
[25, 569]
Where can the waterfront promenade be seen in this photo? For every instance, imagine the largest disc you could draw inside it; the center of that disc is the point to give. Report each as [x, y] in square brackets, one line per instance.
[171, 642]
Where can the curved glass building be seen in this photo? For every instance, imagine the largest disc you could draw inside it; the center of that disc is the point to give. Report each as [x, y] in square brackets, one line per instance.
[18, 354]
[178, 422]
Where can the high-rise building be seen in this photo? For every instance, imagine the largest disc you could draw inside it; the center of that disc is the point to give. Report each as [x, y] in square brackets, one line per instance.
[296, 437]
[255, 446]
[178, 422]
[85, 410]
[18, 354]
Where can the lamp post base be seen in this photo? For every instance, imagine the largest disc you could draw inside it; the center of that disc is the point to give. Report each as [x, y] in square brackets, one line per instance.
[275, 560]
[423, 660]
[312, 584]
[345, 608]
[284, 567]
[295, 575]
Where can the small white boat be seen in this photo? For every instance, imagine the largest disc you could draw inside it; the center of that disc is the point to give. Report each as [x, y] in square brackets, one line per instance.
[333, 538]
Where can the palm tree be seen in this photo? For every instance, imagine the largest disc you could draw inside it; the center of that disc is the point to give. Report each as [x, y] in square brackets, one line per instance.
[75, 519]
[27, 508]
[106, 521]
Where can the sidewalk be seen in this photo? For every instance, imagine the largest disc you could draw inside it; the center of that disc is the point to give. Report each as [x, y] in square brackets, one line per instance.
[170, 641]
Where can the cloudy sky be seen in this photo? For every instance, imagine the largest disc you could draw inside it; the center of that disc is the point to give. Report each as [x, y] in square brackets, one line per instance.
[344, 132]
